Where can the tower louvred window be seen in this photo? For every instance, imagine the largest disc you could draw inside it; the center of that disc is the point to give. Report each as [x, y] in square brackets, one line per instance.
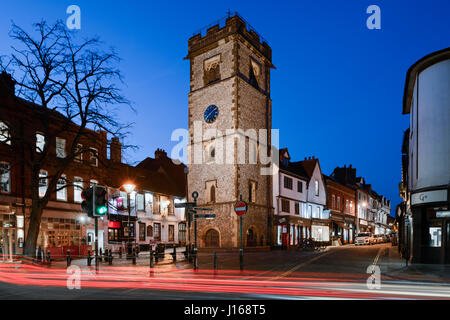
[212, 69]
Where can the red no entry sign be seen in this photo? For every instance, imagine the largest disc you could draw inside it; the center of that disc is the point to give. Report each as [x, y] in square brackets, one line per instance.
[240, 208]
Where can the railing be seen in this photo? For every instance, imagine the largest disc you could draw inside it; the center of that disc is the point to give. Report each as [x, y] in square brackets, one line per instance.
[221, 23]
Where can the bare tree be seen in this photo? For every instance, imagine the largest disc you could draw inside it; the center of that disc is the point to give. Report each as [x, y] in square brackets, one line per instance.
[72, 81]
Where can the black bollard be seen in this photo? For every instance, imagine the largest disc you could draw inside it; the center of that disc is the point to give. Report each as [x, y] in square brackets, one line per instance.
[89, 258]
[100, 253]
[69, 260]
[134, 256]
[120, 252]
[110, 257]
[49, 260]
[215, 261]
[174, 254]
[151, 258]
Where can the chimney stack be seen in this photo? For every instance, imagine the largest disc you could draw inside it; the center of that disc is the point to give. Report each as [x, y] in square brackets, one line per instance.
[7, 84]
[115, 150]
[160, 154]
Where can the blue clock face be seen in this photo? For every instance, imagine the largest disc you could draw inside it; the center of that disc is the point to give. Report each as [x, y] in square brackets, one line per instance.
[211, 113]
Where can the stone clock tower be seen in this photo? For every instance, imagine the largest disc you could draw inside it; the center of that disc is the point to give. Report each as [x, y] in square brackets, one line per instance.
[229, 89]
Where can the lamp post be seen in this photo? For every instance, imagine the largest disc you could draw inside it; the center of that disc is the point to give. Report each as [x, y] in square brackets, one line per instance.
[129, 188]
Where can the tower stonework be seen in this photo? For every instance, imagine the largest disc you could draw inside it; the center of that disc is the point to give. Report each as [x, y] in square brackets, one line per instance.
[229, 89]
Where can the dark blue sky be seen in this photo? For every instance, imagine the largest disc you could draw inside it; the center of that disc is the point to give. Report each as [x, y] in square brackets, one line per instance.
[337, 90]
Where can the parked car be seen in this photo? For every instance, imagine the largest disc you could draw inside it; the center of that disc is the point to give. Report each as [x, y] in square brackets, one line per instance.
[379, 238]
[364, 238]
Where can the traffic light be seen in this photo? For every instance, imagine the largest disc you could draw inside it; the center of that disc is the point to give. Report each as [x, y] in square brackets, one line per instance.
[87, 204]
[101, 201]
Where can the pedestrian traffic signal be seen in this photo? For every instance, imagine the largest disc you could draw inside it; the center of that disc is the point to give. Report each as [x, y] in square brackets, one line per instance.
[101, 201]
[87, 204]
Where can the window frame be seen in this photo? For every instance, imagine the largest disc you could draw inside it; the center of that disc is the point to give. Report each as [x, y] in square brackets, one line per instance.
[58, 149]
[8, 173]
[63, 190]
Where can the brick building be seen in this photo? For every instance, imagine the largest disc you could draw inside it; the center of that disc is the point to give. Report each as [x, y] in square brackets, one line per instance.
[341, 202]
[63, 224]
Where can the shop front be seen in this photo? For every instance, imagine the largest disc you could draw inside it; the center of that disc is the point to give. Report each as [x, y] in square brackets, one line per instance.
[292, 230]
[320, 231]
[7, 237]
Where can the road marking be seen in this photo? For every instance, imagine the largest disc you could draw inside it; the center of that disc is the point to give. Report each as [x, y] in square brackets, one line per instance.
[300, 266]
[375, 261]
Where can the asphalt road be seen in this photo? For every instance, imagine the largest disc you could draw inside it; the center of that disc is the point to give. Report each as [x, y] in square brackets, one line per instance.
[337, 273]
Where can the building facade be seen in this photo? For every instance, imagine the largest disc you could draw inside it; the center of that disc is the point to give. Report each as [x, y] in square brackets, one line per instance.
[230, 94]
[63, 224]
[424, 215]
[291, 220]
[341, 202]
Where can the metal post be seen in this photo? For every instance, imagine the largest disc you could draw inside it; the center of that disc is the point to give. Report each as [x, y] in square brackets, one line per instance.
[110, 257]
[151, 258]
[96, 244]
[49, 260]
[68, 258]
[195, 236]
[215, 261]
[195, 244]
[120, 252]
[129, 228]
[241, 250]
[89, 258]
[100, 254]
[134, 255]
[174, 254]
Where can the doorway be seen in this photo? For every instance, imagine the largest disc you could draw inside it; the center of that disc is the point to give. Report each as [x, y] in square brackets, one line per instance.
[6, 244]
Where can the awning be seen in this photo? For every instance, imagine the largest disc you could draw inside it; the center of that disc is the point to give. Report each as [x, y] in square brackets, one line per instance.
[114, 224]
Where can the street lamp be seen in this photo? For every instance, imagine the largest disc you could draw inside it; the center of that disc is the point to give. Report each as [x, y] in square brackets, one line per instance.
[129, 188]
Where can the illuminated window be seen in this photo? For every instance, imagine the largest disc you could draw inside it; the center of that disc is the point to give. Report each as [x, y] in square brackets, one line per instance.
[77, 189]
[435, 236]
[40, 142]
[4, 133]
[5, 174]
[316, 185]
[61, 190]
[140, 202]
[43, 182]
[60, 147]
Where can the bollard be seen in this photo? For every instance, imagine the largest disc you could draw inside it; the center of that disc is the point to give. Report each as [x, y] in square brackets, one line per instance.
[241, 260]
[110, 257]
[120, 252]
[100, 253]
[68, 258]
[174, 254]
[49, 260]
[195, 260]
[151, 258]
[89, 258]
[215, 261]
[134, 256]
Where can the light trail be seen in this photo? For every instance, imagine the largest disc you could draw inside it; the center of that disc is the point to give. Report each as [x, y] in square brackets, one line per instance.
[225, 281]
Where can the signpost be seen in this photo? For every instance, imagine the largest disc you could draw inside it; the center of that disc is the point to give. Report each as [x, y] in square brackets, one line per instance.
[192, 212]
[240, 208]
